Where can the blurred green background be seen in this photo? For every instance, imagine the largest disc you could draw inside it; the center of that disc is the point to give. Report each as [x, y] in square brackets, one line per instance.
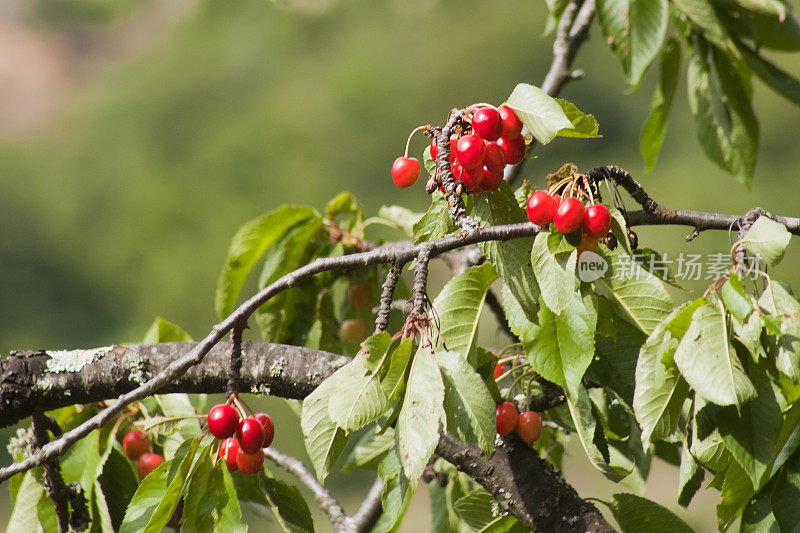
[136, 136]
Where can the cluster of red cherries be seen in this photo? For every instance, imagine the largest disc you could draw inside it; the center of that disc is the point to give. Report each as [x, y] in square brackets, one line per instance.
[527, 424]
[479, 155]
[243, 437]
[137, 448]
[568, 214]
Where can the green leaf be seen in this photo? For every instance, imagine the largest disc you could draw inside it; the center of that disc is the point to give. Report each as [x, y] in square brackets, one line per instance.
[396, 495]
[468, 404]
[590, 431]
[555, 274]
[757, 516]
[24, 516]
[423, 410]
[778, 302]
[230, 514]
[640, 515]
[660, 389]
[204, 494]
[640, 296]
[736, 492]
[720, 102]
[752, 433]
[614, 364]
[778, 33]
[157, 496]
[691, 476]
[510, 259]
[377, 346]
[165, 331]
[324, 440]
[702, 14]
[708, 361]
[291, 509]
[359, 398]
[648, 23]
[344, 210]
[370, 450]
[780, 81]
[661, 103]
[178, 405]
[767, 239]
[247, 246]
[394, 380]
[436, 222]
[538, 111]
[459, 306]
[475, 509]
[583, 126]
[734, 298]
[785, 495]
[614, 19]
[400, 218]
[564, 344]
[118, 482]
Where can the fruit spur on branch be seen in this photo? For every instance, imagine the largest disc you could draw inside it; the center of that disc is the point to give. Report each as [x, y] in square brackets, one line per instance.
[483, 140]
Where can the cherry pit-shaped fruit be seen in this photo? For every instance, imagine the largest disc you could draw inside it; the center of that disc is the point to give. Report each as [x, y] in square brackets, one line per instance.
[249, 463]
[597, 221]
[529, 426]
[506, 413]
[513, 149]
[405, 171]
[147, 463]
[541, 208]
[228, 450]
[569, 215]
[487, 124]
[223, 421]
[470, 151]
[512, 125]
[135, 444]
[250, 435]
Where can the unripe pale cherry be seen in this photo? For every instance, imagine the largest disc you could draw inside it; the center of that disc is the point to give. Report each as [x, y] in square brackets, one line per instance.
[569, 215]
[405, 171]
[529, 426]
[597, 221]
[491, 179]
[541, 208]
[470, 151]
[223, 421]
[506, 413]
[512, 125]
[513, 149]
[494, 159]
[487, 124]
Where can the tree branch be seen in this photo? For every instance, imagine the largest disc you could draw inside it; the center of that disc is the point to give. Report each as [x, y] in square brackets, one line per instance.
[370, 509]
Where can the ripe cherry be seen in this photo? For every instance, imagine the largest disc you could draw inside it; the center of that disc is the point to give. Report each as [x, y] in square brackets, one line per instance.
[470, 151]
[494, 159]
[434, 149]
[405, 171]
[499, 370]
[250, 435]
[512, 125]
[223, 420]
[557, 198]
[471, 178]
[597, 221]
[541, 208]
[569, 215]
[249, 463]
[529, 426]
[354, 330]
[513, 149]
[491, 179]
[269, 428]
[487, 124]
[361, 295]
[457, 169]
[135, 444]
[228, 450]
[147, 463]
[506, 418]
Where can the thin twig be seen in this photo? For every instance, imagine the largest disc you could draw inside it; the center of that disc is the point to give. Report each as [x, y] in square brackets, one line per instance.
[53, 481]
[235, 361]
[369, 512]
[387, 293]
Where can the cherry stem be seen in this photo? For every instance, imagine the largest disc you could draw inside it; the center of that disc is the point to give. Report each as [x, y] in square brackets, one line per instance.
[408, 142]
[241, 406]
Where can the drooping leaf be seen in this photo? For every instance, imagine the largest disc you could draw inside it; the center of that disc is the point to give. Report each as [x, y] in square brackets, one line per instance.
[229, 518]
[118, 482]
[324, 440]
[778, 80]
[370, 450]
[289, 506]
[459, 306]
[776, 32]
[394, 380]
[785, 495]
[583, 126]
[708, 361]
[396, 495]
[648, 21]
[24, 516]
[736, 492]
[691, 476]
[702, 14]
[468, 404]
[475, 509]
[417, 429]
[359, 398]
[640, 515]
[767, 239]
[757, 516]
[538, 111]
[247, 246]
[555, 273]
[720, 102]
[661, 103]
[777, 301]
[400, 218]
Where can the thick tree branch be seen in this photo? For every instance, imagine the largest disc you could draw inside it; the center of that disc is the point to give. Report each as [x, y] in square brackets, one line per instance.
[290, 372]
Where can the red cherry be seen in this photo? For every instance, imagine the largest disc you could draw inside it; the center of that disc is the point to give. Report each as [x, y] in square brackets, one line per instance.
[506, 418]
[147, 463]
[471, 178]
[269, 428]
[249, 463]
[529, 426]
[494, 159]
[487, 124]
[512, 125]
[457, 169]
[434, 150]
[513, 149]
[499, 370]
[597, 221]
[470, 151]
[250, 435]
[223, 420]
[405, 171]
[557, 198]
[569, 215]
[229, 449]
[541, 208]
[491, 179]
[135, 444]
[453, 144]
